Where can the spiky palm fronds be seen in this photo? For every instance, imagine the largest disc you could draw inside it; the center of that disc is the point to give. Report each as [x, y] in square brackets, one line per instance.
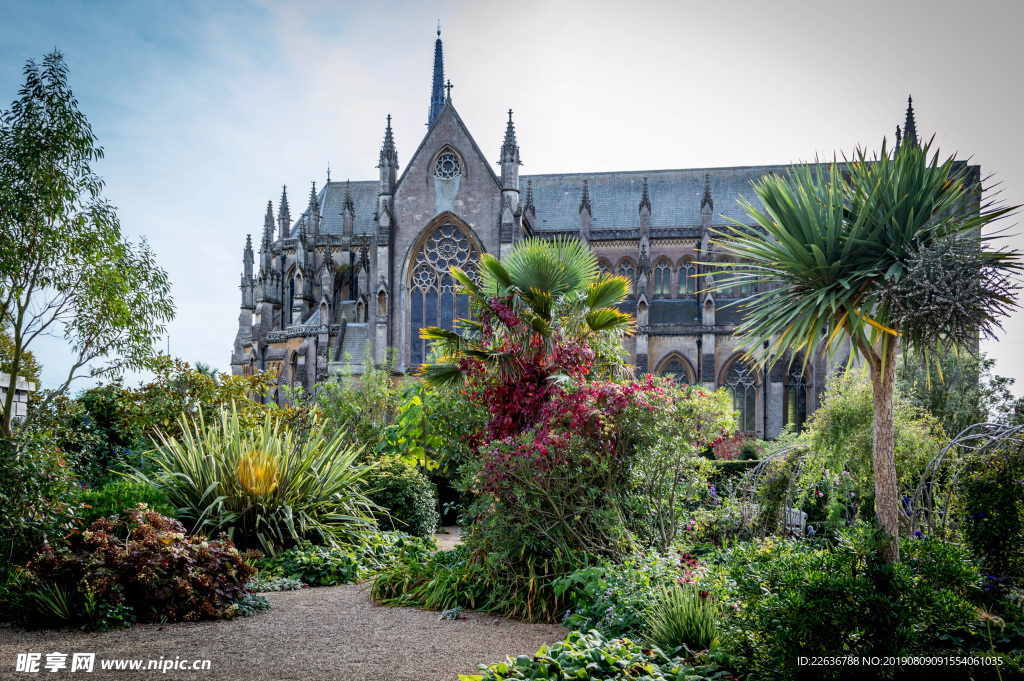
[552, 289]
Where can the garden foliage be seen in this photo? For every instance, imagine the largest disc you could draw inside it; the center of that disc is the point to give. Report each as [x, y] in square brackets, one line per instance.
[138, 566]
[408, 497]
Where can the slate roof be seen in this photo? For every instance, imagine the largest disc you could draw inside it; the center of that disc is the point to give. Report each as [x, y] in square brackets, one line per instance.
[332, 198]
[615, 197]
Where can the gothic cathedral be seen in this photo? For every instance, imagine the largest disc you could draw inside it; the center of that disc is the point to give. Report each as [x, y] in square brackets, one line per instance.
[367, 264]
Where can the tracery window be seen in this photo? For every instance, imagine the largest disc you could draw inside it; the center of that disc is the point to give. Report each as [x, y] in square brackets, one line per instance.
[627, 270]
[687, 278]
[434, 301]
[662, 278]
[447, 166]
[677, 371]
[747, 288]
[603, 267]
[796, 397]
[741, 382]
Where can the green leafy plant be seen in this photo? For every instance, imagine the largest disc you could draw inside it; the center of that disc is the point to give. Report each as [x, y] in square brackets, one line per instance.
[593, 656]
[407, 496]
[121, 495]
[681, 618]
[265, 486]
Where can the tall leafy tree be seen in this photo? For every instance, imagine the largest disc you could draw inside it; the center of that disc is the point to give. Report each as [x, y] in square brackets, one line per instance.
[65, 268]
[885, 250]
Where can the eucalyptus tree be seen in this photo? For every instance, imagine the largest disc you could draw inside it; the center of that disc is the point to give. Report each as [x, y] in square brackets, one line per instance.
[65, 268]
[544, 293]
[886, 250]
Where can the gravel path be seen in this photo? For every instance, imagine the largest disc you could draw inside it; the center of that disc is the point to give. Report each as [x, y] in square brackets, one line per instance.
[325, 633]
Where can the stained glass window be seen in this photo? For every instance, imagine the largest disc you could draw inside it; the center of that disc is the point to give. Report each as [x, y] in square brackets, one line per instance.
[741, 382]
[796, 397]
[627, 270]
[687, 278]
[434, 300]
[662, 278]
[677, 371]
[447, 166]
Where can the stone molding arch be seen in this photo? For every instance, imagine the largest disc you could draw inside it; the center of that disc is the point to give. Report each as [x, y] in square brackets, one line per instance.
[668, 365]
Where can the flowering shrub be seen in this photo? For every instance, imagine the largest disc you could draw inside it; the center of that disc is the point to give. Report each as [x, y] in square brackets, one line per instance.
[140, 561]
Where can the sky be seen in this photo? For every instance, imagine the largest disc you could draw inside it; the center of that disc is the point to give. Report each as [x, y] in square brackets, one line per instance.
[205, 109]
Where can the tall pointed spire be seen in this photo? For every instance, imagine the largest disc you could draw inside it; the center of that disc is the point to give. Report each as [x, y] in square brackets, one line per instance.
[529, 195]
[437, 88]
[585, 201]
[910, 127]
[645, 199]
[247, 259]
[268, 224]
[284, 216]
[706, 201]
[899, 137]
[510, 150]
[313, 212]
[387, 151]
[348, 204]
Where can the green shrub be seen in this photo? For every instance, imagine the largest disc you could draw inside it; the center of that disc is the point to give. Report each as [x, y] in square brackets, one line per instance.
[266, 486]
[340, 564]
[593, 656]
[616, 598]
[121, 495]
[136, 565]
[681, 618]
[38, 499]
[990, 503]
[801, 599]
[408, 496]
[445, 580]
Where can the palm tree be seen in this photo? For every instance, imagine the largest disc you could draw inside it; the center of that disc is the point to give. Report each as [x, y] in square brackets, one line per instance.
[544, 293]
[886, 251]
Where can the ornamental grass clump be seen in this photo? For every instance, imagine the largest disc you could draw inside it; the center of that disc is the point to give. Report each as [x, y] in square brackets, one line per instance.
[266, 487]
[682, 618]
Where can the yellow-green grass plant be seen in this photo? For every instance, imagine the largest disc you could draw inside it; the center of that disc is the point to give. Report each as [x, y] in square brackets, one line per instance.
[266, 487]
[680, 617]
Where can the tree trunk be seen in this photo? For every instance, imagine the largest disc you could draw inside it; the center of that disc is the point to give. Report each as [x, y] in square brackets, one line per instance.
[887, 496]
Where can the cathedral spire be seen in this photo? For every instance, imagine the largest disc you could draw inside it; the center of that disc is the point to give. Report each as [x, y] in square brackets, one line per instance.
[899, 137]
[388, 153]
[707, 202]
[284, 216]
[313, 212]
[910, 127]
[529, 195]
[268, 224]
[247, 259]
[510, 150]
[585, 200]
[437, 88]
[348, 205]
[645, 199]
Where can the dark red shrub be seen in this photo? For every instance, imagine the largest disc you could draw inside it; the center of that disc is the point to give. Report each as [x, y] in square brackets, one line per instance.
[145, 561]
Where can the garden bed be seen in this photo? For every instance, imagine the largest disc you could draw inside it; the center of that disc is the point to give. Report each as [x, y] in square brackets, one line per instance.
[324, 633]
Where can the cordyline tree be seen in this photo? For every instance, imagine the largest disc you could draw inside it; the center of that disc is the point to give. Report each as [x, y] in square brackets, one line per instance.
[65, 269]
[887, 251]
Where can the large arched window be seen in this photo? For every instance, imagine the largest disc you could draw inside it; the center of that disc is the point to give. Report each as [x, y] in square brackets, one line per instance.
[433, 297]
[662, 278]
[603, 267]
[741, 382]
[796, 396]
[687, 277]
[627, 269]
[677, 368]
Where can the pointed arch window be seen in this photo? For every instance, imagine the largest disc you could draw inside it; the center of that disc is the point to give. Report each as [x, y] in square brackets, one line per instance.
[687, 277]
[434, 300]
[627, 269]
[291, 298]
[795, 407]
[678, 369]
[663, 278]
[742, 384]
[603, 267]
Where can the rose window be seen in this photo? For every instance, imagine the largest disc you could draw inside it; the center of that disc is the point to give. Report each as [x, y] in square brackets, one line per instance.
[447, 166]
